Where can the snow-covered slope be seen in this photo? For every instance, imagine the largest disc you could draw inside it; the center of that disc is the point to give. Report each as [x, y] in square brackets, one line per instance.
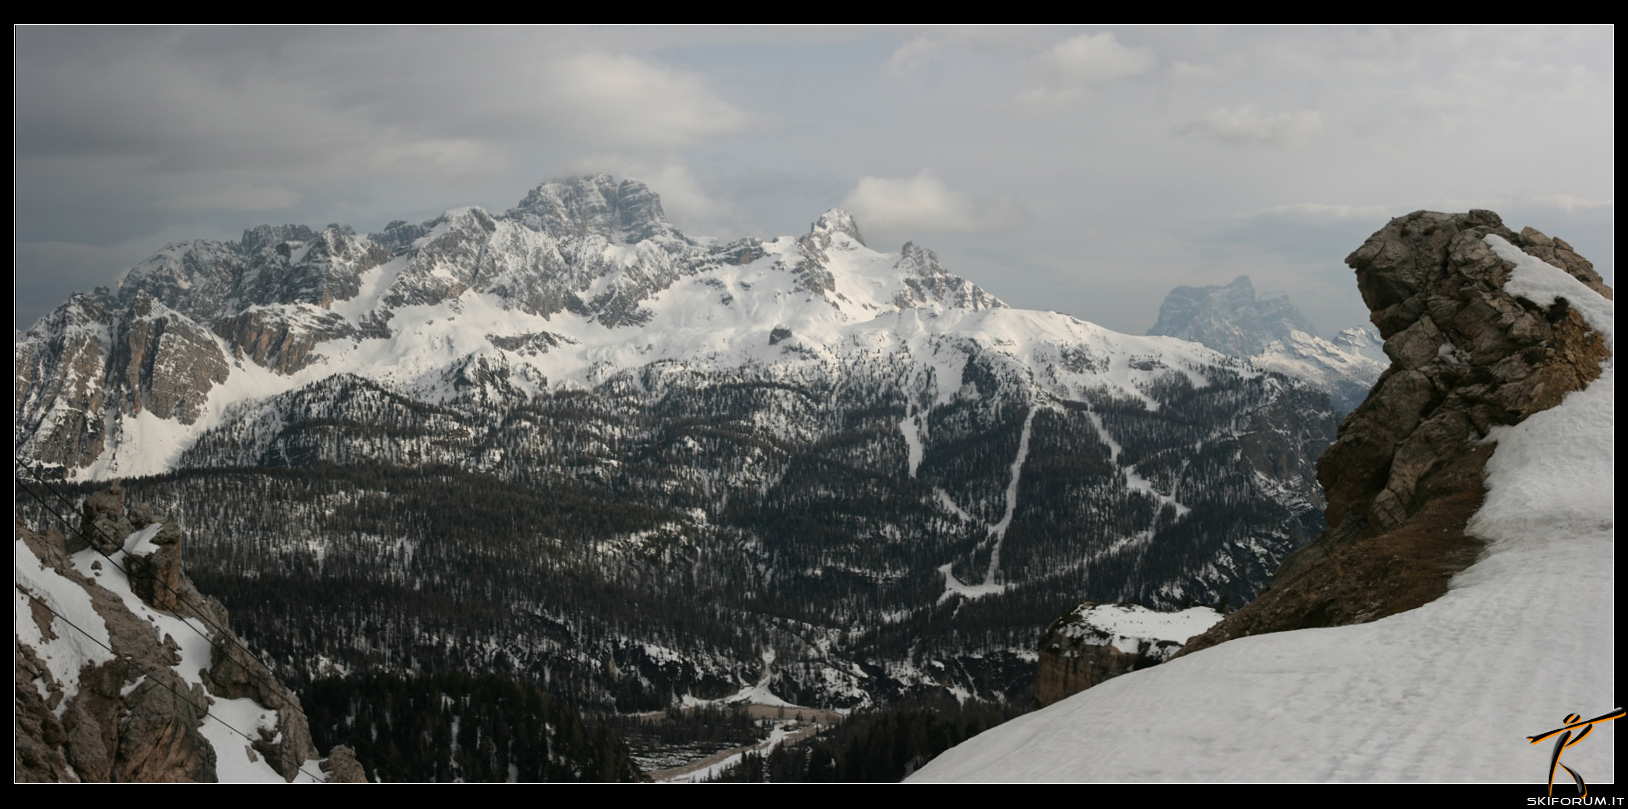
[1345, 367]
[1448, 692]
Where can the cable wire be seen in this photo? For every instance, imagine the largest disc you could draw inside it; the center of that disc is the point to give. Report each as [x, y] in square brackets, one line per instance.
[224, 634]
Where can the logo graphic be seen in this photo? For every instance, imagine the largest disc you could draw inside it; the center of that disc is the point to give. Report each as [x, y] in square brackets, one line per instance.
[1571, 723]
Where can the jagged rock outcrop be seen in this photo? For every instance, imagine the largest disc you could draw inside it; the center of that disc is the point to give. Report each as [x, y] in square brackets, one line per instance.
[1097, 642]
[1404, 475]
[627, 211]
[929, 283]
[107, 675]
[89, 358]
[812, 271]
[342, 767]
[59, 388]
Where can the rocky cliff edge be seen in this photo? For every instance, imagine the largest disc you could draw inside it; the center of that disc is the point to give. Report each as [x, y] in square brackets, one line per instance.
[1468, 353]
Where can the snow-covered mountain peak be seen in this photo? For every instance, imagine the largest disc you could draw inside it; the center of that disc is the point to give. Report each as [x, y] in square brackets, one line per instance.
[926, 282]
[836, 220]
[622, 211]
[1230, 319]
[583, 280]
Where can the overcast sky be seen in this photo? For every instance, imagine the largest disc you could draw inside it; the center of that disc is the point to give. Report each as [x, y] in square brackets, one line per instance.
[1082, 170]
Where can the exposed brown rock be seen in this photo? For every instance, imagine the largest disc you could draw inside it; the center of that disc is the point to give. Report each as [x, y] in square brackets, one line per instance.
[281, 339]
[1068, 666]
[1081, 649]
[38, 736]
[135, 717]
[342, 767]
[165, 363]
[132, 718]
[1405, 473]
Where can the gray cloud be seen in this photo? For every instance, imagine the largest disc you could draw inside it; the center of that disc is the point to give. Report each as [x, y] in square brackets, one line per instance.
[1079, 62]
[1059, 180]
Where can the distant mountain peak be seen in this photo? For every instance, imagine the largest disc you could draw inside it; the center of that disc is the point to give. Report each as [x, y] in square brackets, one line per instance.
[1274, 335]
[623, 211]
[1230, 319]
[837, 220]
[265, 236]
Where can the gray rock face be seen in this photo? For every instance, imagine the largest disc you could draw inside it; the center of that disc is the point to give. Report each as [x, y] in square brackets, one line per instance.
[288, 264]
[282, 339]
[89, 360]
[60, 388]
[1229, 319]
[931, 284]
[168, 336]
[133, 714]
[624, 212]
[812, 272]
[545, 255]
[164, 363]
[1274, 336]
[1097, 642]
[1404, 475]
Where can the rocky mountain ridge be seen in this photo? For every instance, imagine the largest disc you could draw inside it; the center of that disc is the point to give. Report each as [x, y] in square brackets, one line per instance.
[665, 468]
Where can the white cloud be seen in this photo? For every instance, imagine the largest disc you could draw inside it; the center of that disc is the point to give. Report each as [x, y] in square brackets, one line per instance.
[924, 203]
[1249, 126]
[1090, 58]
[440, 158]
[1309, 212]
[928, 46]
[915, 53]
[318, 107]
[1195, 72]
[1081, 61]
[633, 101]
